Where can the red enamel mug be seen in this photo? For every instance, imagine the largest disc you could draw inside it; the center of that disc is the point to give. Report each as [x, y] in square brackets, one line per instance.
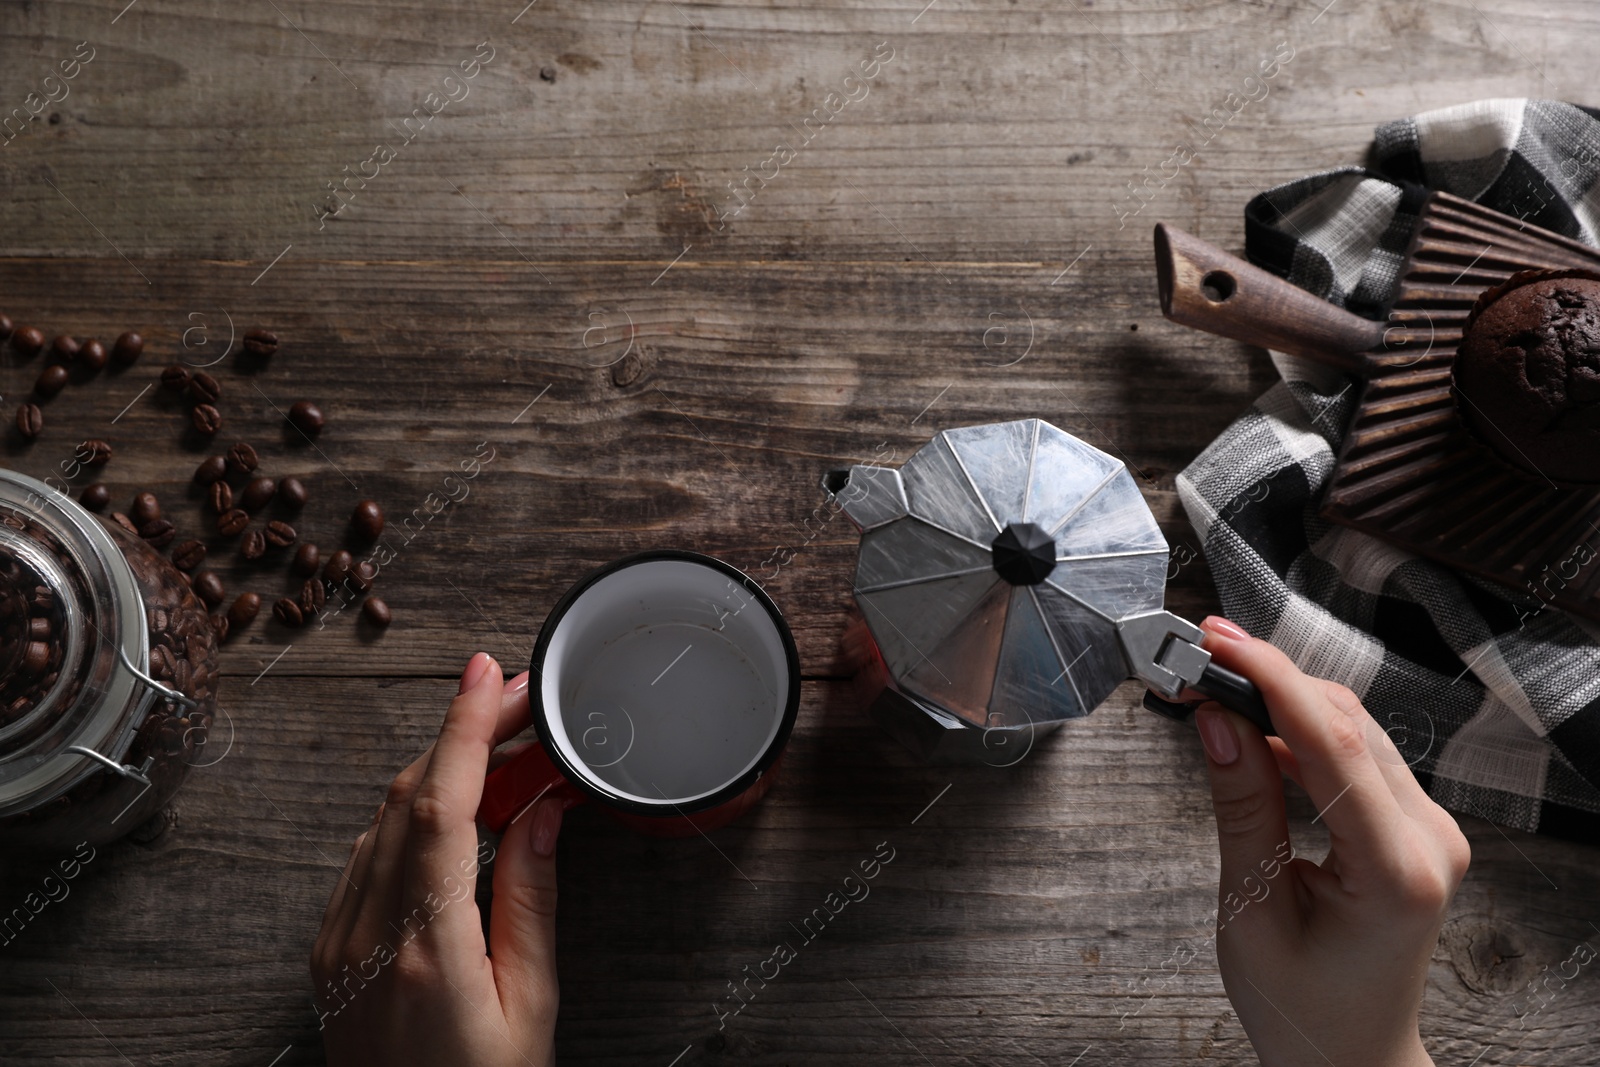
[664, 687]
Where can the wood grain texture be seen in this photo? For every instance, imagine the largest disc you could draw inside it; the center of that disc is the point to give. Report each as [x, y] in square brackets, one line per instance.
[958, 246]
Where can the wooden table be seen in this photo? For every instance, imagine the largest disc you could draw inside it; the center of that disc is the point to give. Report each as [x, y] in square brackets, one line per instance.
[552, 267]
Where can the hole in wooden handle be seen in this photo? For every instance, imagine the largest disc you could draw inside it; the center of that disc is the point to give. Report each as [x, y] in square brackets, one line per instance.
[1217, 286]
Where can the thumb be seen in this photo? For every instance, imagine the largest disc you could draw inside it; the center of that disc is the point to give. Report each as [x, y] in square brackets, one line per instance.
[1247, 793]
[522, 916]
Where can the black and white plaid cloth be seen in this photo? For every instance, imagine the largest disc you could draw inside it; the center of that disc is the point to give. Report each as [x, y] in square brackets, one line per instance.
[1494, 700]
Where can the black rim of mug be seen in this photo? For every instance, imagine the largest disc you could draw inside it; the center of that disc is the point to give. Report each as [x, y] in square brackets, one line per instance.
[585, 779]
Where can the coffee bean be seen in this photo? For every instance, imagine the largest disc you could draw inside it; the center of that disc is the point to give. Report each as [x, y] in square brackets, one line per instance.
[30, 420]
[127, 349]
[220, 497]
[292, 493]
[94, 453]
[95, 497]
[367, 520]
[312, 597]
[307, 417]
[242, 458]
[51, 381]
[203, 388]
[175, 377]
[36, 657]
[206, 419]
[126, 523]
[208, 587]
[6, 326]
[244, 610]
[64, 347]
[280, 534]
[258, 492]
[210, 470]
[376, 611]
[254, 545]
[159, 532]
[306, 559]
[363, 574]
[338, 567]
[232, 522]
[39, 628]
[288, 612]
[260, 342]
[219, 627]
[146, 508]
[28, 341]
[188, 555]
[92, 356]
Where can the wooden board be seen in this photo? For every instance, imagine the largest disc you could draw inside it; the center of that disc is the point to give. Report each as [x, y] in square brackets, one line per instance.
[885, 286]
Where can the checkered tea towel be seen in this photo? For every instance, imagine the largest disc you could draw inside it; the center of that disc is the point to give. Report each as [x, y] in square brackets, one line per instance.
[1493, 699]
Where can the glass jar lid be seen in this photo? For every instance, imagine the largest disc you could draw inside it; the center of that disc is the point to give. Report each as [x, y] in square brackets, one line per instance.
[69, 608]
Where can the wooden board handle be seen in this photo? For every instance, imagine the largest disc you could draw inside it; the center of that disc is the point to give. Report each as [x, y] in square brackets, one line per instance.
[1204, 287]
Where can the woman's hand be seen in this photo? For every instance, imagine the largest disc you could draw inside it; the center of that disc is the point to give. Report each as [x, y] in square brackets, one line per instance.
[401, 971]
[1323, 963]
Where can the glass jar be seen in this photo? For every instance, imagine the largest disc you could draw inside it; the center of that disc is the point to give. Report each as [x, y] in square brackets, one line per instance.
[108, 673]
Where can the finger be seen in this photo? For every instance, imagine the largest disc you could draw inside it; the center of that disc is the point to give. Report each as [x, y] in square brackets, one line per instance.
[1246, 795]
[522, 918]
[358, 884]
[1337, 769]
[327, 941]
[442, 833]
[1408, 793]
[516, 715]
[1287, 764]
[381, 900]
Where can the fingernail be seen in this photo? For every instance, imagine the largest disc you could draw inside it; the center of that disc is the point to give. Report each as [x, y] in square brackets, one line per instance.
[517, 684]
[477, 667]
[1223, 628]
[1217, 734]
[545, 826]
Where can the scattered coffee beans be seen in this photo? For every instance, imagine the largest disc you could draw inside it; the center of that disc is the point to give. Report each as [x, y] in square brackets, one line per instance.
[28, 341]
[159, 532]
[188, 555]
[363, 574]
[312, 597]
[254, 545]
[203, 388]
[92, 356]
[306, 560]
[51, 381]
[220, 497]
[210, 470]
[292, 493]
[95, 497]
[233, 521]
[338, 567]
[376, 611]
[146, 508]
[30, 421]
[288, 612]
[260, 342]
[244, 610]
[94, 453]
[206, 419]
[219, 626]
[367, 520]
[64, 347]
[242, 458]
[127, 349]
[208, 587]
[307, 417]
[280, 534]
[258, 492]
[175, 377]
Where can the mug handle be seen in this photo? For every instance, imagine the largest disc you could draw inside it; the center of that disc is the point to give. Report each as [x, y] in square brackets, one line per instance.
[520, 782]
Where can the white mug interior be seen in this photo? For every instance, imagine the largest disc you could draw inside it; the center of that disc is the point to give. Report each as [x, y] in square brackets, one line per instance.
[664, 682]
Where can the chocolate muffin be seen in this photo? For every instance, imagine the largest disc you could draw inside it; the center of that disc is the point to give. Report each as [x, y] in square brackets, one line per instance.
[1527, 375]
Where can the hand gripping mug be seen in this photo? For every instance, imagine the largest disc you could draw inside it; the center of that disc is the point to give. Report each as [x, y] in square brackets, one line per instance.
[664, 688]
